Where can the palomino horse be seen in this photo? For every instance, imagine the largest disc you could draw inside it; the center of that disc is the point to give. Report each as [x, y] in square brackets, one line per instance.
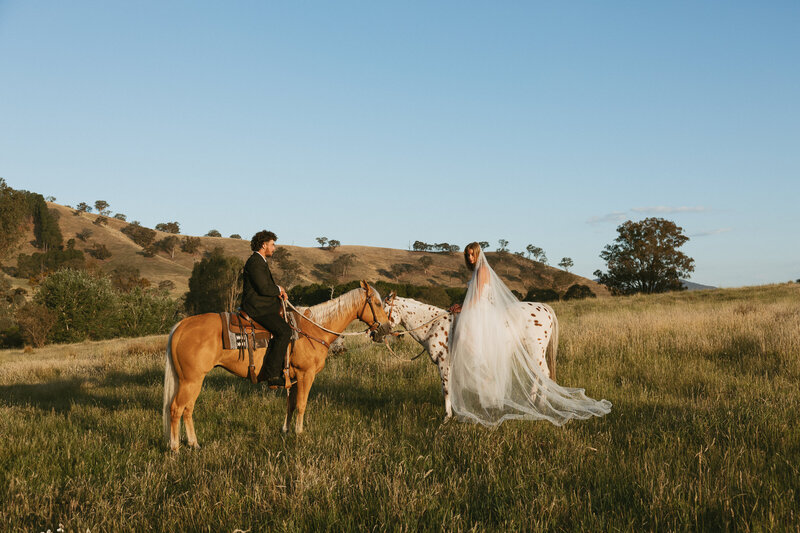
[195, 347]
[431, 327]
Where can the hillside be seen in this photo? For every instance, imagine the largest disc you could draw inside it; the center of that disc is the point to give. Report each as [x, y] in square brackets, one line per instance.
[370, 263]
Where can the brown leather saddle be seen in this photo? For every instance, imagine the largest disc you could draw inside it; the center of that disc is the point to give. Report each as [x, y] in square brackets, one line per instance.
[240, 332]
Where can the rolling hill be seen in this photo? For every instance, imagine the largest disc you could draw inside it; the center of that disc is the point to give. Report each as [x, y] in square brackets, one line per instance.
[370, 263]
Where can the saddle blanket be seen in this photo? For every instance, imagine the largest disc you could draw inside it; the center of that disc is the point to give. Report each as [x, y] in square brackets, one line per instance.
[237, 335]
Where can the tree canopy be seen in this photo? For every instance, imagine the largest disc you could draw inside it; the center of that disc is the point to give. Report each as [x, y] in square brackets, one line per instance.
[169, 227]
[12, 211]
[645, 258]
[215, 284]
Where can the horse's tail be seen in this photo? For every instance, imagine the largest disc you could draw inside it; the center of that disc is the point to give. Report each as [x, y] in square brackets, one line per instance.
[552, 346]
[170, 385]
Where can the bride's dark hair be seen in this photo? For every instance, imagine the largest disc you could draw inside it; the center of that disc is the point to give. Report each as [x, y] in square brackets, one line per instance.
[475, 248]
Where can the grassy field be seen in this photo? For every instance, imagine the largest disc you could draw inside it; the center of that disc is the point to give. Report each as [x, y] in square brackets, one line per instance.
[703, 435]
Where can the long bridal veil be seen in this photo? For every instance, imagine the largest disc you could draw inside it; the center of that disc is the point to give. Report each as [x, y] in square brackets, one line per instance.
[494, 375]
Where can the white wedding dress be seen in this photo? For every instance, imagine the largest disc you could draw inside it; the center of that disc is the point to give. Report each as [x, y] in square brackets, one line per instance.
[494, 377]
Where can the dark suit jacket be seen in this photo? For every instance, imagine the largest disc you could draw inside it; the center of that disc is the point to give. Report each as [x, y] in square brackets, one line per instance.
[260, 294]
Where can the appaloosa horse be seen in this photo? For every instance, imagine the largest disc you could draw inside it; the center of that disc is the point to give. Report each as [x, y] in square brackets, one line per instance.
[195, 347]
[432, 327]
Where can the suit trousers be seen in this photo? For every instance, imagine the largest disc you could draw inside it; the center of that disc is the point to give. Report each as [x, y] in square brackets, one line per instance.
[281, 336]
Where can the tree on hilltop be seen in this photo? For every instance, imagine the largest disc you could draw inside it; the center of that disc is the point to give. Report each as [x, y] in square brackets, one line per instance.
[333, 244]
[102, 207]
[566, 263]
[213, 233]
[168, 227]
[83, 207]
[323, 241]
[645, 258]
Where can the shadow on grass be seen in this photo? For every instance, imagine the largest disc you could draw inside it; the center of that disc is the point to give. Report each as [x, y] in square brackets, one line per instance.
[61, 394]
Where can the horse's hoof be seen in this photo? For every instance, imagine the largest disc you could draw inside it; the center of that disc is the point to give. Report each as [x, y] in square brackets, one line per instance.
[194, 446]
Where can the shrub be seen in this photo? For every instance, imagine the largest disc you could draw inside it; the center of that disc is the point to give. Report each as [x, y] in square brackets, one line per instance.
[146, 312]
[578, 292]
[35, 322]
[125, 278]
[99, 251]
[213, 233]
[85, 307]
[541, 295]
[40, 263]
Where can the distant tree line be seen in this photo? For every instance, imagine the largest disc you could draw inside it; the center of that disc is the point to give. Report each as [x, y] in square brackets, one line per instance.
[442, 247]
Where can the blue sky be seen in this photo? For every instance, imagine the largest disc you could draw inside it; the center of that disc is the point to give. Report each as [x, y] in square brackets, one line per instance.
[382, 123]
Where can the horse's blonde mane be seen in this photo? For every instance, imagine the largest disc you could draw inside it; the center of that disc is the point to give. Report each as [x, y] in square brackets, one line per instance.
[331, 309]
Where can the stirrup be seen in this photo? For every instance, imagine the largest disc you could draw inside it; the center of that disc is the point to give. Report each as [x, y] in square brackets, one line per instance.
[288, 383]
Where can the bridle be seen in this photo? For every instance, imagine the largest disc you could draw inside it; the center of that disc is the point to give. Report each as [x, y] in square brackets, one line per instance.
[393, 298]
[376, 324]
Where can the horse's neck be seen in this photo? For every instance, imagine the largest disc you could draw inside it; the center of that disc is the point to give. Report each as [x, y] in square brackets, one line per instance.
[422, 313]
[339, 321]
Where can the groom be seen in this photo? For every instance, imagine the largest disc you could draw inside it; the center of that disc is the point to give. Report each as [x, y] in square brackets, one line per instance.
[261, 300]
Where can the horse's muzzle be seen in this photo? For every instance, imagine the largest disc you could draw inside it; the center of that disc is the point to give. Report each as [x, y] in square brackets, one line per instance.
[380, 332]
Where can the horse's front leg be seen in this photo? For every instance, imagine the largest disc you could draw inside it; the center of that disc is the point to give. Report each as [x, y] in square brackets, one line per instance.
[304, 383]
[291, 404]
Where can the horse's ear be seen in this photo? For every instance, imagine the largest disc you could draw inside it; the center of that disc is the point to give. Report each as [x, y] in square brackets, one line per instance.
[366, 287]
[392, 295]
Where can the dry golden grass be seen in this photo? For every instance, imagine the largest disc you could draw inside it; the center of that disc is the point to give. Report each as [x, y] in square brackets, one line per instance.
[703, 435]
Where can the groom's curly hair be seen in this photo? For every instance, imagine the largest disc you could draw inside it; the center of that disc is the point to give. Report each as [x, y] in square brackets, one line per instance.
[260, 238]
[475, 248]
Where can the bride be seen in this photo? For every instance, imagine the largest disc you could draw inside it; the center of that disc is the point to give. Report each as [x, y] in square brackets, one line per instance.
[494, 377]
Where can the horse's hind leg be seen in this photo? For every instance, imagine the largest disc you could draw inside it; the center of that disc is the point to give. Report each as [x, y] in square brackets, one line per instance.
[183, 406]
[444, 373]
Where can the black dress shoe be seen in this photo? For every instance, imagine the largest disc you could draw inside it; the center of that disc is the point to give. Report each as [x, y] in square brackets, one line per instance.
[276, 381]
